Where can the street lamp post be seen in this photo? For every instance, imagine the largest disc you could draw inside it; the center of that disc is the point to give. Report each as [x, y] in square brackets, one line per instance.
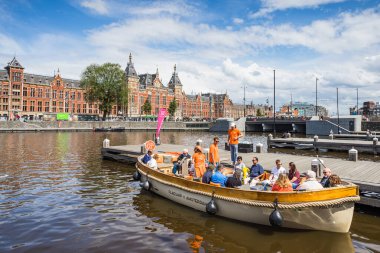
[274, 103]
[337, 107]
[316, 96]
[244, 108]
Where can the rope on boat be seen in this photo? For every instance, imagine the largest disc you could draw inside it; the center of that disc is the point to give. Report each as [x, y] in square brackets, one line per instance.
[325, 203]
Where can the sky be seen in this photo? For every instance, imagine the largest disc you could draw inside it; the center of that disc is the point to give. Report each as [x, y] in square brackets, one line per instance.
[218, 46]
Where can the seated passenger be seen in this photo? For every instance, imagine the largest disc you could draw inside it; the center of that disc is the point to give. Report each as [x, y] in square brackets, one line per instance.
[335, 180]
[275, 172]
[239, 166]
[180, 160]
[310, 183]
[147, 157]
[235, 180]
[256, 170]
[152, 163]
[325, 182]
[282, 184]
[294, 175]
[208, 174]
[218, 177]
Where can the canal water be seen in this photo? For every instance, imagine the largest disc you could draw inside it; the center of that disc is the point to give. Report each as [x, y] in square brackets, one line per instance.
[58, 195]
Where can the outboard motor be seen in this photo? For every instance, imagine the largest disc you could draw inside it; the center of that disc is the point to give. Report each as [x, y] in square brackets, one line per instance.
[211, 207]
[275, 218]
[136, 175]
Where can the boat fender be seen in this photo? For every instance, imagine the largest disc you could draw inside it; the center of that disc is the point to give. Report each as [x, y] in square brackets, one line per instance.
[211, 207]
[275, 218]
[146, 185]
[136, 175]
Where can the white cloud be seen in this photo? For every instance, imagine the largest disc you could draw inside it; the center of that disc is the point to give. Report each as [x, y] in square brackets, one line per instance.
[97, 6]
[269, 6]
[238, 21]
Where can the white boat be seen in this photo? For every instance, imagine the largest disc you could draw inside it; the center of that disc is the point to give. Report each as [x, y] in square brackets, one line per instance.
[329, 209]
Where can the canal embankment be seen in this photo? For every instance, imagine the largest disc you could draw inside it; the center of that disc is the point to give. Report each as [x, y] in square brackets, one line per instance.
[76, 126]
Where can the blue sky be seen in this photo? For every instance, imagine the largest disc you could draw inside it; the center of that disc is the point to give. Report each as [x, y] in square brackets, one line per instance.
[217, 45]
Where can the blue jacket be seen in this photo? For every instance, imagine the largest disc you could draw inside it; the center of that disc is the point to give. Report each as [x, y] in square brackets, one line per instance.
[219, 178]
[256, 170]
[146, 158]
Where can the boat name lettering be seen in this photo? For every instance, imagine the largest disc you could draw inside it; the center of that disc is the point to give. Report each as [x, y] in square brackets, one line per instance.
[331, 206]
[175, 193]
[196, 200]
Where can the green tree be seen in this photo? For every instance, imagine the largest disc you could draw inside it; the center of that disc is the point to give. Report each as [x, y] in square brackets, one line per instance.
[172, 107]
[258, 113]
[147, 107]
[104, 84]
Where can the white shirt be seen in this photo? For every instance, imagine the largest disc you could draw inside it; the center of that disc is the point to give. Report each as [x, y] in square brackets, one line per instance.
[310, 184]
[276, 172]
[152, 163]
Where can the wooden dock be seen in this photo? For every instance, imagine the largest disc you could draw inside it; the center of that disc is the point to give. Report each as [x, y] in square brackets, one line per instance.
[366, 174]
[371, 147]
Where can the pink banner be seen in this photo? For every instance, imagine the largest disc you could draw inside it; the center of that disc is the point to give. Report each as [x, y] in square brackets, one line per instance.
[161, 115]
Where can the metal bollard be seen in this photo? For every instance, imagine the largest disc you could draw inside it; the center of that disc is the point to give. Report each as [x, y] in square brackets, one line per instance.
[106, 143]
[315, 138]
[270, 137]
[352, 155]
[259, 148]
[375, 142]
[315, 142]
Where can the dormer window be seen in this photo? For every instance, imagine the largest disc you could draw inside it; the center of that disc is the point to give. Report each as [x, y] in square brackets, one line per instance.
[58, 83]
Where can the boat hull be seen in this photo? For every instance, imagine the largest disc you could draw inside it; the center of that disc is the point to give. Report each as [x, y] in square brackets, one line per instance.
[334, 217]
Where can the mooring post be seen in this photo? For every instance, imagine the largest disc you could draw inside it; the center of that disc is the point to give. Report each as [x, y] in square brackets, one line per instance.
[270, 137]
[353, 154]
[375, 142]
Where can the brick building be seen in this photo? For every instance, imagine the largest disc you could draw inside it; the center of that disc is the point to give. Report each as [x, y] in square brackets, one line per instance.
[42, 97]
[35, 96]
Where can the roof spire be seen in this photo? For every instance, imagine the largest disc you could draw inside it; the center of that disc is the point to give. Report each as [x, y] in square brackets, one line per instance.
[175, 68]
[130, 57]
[130, 69]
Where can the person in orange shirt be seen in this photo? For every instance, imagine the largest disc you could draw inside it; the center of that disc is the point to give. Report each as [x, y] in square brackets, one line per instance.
[199, 160]
[233, 141]
[214, 152]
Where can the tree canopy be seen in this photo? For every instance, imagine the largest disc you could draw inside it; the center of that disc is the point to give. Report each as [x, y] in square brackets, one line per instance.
[104, 84]
[147, 107]
[172, 107]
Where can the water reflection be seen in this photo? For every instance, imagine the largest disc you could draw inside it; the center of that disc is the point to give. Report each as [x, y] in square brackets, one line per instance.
[214, 233]
[60, 196]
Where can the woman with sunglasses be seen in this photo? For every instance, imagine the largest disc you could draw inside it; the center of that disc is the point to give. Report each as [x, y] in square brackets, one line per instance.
[294, 175]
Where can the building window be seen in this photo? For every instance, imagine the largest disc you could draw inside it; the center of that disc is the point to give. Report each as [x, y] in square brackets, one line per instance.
[24, 106]
[15, 93]
[32, 92]
[60, 106]
[17, 77]
[46, 106]
[73, 95]
[47, 93]
[54, 106]
[5, 91]
[32, 106]
[61, 94]
[66, 107]
[84, 108]
[78, 107]
[158, 99]
[40, 93]
[39, 106]
[58, 83]
[54, 94]
[25, 92]
[164, 100]
[79, 96]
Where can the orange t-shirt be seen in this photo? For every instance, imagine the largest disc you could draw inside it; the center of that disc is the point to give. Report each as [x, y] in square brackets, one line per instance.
[199, 164]
[214, 150]
[234, 134]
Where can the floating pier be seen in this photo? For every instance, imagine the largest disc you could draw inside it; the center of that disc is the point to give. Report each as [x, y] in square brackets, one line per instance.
[366, 174]
[372, 147]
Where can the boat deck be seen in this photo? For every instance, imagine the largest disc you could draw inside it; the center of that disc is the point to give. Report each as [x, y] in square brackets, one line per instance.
[366, 174]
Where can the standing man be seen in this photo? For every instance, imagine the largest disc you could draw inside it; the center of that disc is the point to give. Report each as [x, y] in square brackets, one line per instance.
[233, 140]
[214, 152]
